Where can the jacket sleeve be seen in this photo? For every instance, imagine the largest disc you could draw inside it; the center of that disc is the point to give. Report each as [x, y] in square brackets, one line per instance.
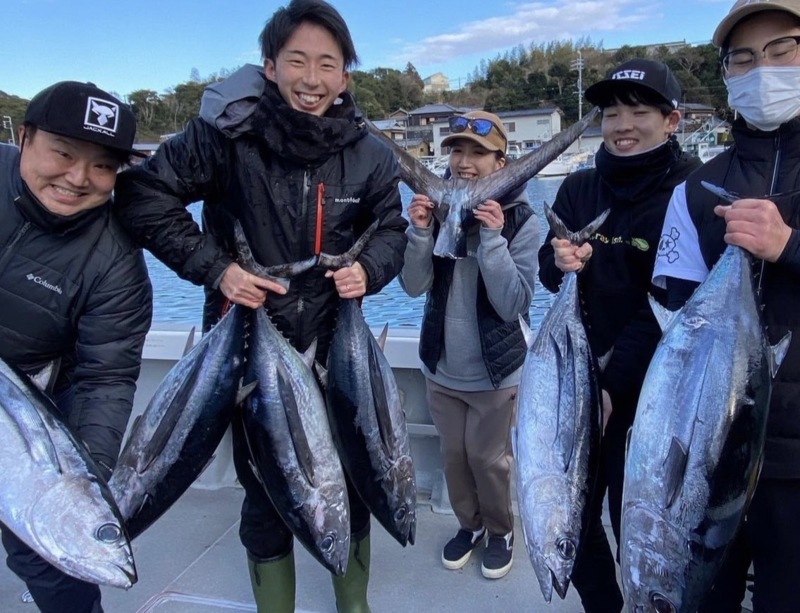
[110, 338]
[509, 271]
[151, 202]
[790, 258]
[382, 258]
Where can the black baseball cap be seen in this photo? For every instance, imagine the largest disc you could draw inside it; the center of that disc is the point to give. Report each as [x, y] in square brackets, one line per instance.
[85, 112]
[648, 74]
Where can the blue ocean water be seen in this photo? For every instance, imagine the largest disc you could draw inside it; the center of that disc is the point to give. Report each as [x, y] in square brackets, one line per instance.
[176, 301]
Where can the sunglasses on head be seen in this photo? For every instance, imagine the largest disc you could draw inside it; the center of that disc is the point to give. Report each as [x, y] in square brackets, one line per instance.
[478, 126]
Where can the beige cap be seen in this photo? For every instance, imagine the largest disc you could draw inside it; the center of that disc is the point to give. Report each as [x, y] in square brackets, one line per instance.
[743, 8]
[495, 140]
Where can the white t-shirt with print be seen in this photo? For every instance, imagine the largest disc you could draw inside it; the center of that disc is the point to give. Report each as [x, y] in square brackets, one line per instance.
[679, 247]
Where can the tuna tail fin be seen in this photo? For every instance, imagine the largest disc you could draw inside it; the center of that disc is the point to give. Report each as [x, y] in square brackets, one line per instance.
[349, 257]
[778, 352]
[663, 315]
[576, 238]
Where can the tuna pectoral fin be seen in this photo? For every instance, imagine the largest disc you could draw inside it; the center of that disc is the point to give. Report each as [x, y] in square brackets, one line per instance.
[244, 392]
[778, 352]
[674, 469]
[663, 314]
[302, 449]
[380, 401]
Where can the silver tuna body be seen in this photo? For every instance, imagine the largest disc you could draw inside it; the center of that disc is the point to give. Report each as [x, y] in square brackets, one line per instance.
[292, 448]
[51, 496]
[176, 436]
[556, 440]
[369, 424]
[696, 445]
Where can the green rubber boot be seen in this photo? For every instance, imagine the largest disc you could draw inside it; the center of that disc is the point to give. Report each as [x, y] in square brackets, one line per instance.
[351, 589]
[273, 583]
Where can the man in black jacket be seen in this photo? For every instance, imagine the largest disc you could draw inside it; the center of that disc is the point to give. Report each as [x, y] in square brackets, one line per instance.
[295, 165]
[75, 290]
[758, 44]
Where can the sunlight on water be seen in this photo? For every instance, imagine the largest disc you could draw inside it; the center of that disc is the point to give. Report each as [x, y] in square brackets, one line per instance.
[179, 302]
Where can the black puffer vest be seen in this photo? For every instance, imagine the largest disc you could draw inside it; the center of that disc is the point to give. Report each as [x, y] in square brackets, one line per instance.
[502, 343]
[763, 163]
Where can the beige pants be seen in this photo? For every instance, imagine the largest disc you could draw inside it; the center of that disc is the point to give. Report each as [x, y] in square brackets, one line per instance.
[474, 430]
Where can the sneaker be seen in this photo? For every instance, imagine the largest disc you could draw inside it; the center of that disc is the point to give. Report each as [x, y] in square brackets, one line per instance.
[459, 548]
[497, 559]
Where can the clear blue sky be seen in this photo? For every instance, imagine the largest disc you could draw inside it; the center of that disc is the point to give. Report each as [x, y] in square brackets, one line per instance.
[155, 44]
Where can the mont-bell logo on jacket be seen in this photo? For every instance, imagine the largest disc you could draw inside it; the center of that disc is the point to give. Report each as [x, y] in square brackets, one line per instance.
[43, 282]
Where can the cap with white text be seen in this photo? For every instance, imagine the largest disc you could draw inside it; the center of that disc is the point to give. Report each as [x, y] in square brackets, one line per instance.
[649, 74]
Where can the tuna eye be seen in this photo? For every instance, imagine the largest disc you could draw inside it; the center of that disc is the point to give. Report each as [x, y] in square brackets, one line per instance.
[400, 514]
[108, 533]
[661, 604]
[566, 549]
[327, 543]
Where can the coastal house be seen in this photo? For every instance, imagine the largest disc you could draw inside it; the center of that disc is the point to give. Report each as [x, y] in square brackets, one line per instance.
[436, 83]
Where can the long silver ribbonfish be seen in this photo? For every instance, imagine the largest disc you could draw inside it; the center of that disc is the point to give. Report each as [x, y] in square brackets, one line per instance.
[696, 446]
[455, 199]
[556, 437]
[52, 496]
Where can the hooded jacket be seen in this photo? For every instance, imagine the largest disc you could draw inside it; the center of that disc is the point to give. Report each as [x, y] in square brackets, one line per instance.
[297, 183]
[75, 291]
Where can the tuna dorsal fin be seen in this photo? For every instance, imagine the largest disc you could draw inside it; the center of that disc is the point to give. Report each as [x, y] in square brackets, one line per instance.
[244, 392]
[382, 336]
[189, 341]
[380, 400]
[674, 469]
[527, 334]
[778, 352]
[302, 449]
[663, 315]
[310, 353]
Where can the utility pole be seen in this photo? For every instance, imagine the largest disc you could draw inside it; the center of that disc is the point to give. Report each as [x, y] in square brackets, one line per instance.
[578, 65]
[8, 125]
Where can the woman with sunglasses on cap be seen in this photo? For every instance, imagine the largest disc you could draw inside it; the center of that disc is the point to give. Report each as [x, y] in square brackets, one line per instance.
[758, 43]
[636, 169]
[75, 290]
[471, 343]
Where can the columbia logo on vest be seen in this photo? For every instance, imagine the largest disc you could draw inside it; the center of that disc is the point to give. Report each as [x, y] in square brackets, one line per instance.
[43, 283]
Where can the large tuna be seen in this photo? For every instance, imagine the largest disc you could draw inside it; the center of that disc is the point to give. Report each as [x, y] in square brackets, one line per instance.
[176, 436]
[369, 425]
[696, 446]
[455, 198]
[51, 496]
[291, 446]
[556, 438]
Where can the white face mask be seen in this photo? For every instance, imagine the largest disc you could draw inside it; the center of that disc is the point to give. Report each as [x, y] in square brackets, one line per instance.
[767, 96]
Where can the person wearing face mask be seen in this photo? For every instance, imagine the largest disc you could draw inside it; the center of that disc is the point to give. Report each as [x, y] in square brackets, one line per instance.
[471, 342]
[758, 43]
[636, 169]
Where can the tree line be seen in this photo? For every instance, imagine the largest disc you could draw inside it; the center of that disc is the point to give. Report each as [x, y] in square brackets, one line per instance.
[539, 75]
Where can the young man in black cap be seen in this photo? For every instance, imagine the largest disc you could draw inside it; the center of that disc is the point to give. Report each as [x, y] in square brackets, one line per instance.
[75, 289]
[295, 165]
[636, 169]
[760, 56]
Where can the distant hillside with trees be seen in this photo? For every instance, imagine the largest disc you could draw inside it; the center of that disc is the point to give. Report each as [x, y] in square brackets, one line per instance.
[540, 75]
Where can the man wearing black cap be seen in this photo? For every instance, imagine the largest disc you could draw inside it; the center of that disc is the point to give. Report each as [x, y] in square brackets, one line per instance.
[636, 168]
[75, 290]
[758, 43]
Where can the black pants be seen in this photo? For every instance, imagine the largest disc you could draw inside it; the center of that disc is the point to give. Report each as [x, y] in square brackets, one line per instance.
[595, 573]
[52, 590]
[771, 539]
[262, 531]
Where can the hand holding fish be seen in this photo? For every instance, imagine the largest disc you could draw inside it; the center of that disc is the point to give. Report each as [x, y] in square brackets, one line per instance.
[351, 281]
[490, 214]
[755, 225]
[420, 211]
[241, 287]
[570, 257]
